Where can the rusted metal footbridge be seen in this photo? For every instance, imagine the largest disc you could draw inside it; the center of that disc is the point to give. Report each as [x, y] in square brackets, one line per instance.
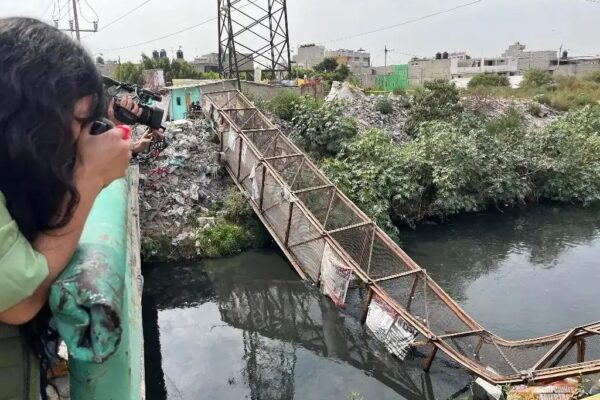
[333, 244]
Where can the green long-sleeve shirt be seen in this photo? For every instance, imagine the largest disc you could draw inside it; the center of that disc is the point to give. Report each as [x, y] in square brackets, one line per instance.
[22, 269]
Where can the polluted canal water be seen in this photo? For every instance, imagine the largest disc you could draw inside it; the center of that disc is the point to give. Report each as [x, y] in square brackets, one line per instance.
[248, 328]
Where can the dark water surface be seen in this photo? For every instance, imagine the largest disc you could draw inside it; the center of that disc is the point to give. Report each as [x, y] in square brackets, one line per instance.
[248, 328]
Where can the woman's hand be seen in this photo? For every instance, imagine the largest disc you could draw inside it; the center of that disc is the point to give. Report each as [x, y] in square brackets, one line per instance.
[103, 157]
[127, 103]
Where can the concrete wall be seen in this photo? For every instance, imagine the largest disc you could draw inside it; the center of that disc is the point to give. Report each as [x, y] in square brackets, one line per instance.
[420, 71]
[266, 92]
[211, 87]
[579, 69]
[537, 60]
[107, 69]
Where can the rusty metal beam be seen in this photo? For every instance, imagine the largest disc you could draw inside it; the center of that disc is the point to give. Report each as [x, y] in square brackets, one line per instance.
[555, 349]
[312, 189]
[396, 276]
[283, 156]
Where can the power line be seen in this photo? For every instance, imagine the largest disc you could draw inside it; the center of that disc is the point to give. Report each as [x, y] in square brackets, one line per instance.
[410, 21]
[83, 14]
[122, 16]
[47, 8]
[161, 37]
[174, 33]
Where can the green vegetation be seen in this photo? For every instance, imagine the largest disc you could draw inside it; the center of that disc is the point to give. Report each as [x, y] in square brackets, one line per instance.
[466, 163]
[328, 70]
[321, 128]
[176, 69]
[437, 100]
[228, 230]
[594, 77]
[129, 72]
[283, 105]
[536, 78]
[562, 92]
[368, 171]
[385, 106]
[534, 109]
[489, 80]
[399, 92]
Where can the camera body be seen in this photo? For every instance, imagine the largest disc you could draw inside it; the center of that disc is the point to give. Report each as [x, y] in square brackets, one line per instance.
[151, 116]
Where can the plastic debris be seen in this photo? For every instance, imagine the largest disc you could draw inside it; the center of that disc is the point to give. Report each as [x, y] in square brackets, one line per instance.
[183, 182]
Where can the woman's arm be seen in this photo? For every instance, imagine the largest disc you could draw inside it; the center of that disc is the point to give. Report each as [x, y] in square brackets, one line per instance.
[57, 247]
[104, 159]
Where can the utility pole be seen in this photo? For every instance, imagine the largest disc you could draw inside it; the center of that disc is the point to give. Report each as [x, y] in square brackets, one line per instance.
[75, 27]
[76, 20]
[386, 51]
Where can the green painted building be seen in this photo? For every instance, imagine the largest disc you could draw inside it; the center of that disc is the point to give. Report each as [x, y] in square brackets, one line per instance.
[181, 98]
[397, 79]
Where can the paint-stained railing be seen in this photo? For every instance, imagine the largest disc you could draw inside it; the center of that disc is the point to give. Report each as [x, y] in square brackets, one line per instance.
[333, 244]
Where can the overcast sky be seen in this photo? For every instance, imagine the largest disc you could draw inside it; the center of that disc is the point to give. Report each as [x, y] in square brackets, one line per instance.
[485, 28]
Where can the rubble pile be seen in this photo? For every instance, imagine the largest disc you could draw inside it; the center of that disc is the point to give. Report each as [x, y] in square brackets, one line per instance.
[364, 109]
[495, 108]
[181, 184]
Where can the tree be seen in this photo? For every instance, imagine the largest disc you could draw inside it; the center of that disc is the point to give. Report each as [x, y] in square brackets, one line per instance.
[176, 69]
[535, 78]
[438, 101]
[129, 72]
[341, 73]
[329, 64]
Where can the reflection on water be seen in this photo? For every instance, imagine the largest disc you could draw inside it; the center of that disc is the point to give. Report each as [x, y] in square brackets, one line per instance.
[247, 327]
[520, 274]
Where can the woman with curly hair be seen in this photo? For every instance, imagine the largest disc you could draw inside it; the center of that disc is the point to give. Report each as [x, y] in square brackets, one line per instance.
[51, 167]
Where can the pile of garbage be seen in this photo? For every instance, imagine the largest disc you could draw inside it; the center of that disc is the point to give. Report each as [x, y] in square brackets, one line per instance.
[364, 109]
[536, 114]
[183, 182]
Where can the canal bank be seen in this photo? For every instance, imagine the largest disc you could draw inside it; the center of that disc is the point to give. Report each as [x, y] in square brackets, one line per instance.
[247, 326]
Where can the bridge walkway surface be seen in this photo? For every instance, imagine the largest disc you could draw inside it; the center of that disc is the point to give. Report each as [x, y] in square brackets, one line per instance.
[333, 244]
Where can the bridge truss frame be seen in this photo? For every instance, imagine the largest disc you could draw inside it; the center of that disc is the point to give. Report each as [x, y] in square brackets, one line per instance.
[333, 244]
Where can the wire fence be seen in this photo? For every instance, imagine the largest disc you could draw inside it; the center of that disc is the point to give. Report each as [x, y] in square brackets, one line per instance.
[332, 243]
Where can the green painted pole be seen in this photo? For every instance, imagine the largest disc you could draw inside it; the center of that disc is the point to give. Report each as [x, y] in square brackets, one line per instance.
[96, 301]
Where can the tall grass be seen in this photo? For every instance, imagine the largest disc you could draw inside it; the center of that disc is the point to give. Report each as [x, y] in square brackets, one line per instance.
[566, 93]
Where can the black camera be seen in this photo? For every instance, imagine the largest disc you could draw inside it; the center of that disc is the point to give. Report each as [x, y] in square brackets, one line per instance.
[151, 116]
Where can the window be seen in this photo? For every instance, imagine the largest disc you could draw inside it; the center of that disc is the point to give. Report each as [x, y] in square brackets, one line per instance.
[178, 100]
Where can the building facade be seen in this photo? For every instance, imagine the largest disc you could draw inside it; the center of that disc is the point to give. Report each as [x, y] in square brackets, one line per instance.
[424, 70]
[354, 59]
[309, 55]
[578, 66]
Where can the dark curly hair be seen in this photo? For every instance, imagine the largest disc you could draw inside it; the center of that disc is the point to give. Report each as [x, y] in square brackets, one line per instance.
[43, 73]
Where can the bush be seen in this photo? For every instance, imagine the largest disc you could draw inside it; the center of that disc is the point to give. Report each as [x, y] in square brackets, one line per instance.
[399, 91]
[566, 155]
[534, 109]
[536, 78]
[328, 64]
[367, 171]
[594, 77]
[321, 128]
[438, 100]
[222, 239]
[489, 80]
[385, 106]
[283, 105]
[542, 99]
[471, 165]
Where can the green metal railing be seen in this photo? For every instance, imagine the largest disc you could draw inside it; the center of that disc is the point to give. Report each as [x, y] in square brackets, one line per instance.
[97, 300]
